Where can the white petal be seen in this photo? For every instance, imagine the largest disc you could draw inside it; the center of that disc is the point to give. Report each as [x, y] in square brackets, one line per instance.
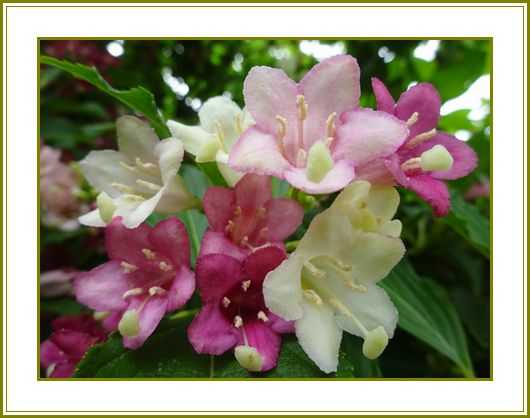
[136, 139]
[195, 139]
[319, 335]
[391, 228]
[220, 114]
[92, 219]
[282, 289]
[134, 212]
[176, 197]
[169, 153]
[231, 176]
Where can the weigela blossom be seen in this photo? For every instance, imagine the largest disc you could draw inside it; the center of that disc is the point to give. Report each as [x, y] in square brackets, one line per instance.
[299, 134]
[247, 217]
[234, 313]
[428, 157]
[72, 336]
[138, 179]
[221, 123]
[148, 275]
[57, 282]
[328, 285]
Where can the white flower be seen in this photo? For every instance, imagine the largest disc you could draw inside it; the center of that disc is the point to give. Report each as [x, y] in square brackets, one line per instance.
[221, 124]
[328, 285]
[138, 179]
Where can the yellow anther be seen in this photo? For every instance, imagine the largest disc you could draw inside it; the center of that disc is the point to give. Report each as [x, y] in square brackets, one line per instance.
[314, 271]
[156, 290]
[127, 267]
[164, 266]
[282, 127]
[262, 316]
[238, 321]
[145, 166]
[412, 119]
[149, 254]
[302, 107]
[230, 226]
[330, 125]
[312, 296]
[132, 292]
[226, 302]
[245, 285]
[418, 139]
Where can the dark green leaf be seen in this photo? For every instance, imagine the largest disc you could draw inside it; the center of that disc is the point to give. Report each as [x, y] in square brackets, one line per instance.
[426, 312]
[474, 311]
[61, 306]
[213, 173]
[196, 180]
[196, 224]
[352, 363]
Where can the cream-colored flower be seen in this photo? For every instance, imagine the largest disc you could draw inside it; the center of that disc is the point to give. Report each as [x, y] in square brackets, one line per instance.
[138, 179]
[221, 124]
[328, 285]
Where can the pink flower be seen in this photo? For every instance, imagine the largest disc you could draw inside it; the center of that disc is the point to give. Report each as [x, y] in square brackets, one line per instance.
[58, 282]
[234, 312]
[148, 275]
[247, 217]
[427, 157]
[72, 336]
[479, 189]
[299, 135]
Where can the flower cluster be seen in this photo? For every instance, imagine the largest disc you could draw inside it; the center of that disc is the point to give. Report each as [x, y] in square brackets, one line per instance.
[314, 136]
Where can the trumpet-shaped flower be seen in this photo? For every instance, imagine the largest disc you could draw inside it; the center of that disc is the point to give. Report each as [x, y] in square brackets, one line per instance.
[138, 179]
[148, 275]
[247, 217]
[299, 134]
[221, 123]
[328, 285]
[428, 157]
[234, 314]
[72, 336]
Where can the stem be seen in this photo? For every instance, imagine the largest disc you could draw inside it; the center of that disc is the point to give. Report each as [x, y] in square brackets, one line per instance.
[291, 245]
[184, 314]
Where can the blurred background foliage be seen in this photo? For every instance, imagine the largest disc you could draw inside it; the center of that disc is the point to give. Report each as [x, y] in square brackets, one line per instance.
[452, 252]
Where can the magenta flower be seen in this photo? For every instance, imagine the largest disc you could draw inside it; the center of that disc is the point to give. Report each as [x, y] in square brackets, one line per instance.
[247, 217]
[427, 157]
[234, 312]
[147, 276]
[72, 336]
[299, 134]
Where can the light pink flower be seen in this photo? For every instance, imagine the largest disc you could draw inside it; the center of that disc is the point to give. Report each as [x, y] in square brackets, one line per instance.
[299, 135]
[413, 165]
[148, 275]
[72, 336]
[58, 282]
[234, 312]
[247, 217]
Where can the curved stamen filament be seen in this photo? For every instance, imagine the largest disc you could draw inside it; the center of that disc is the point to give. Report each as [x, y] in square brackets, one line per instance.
[342, 309]
[330, 126]
[412, 119]
[148, 185]
[411, 164]
[302, 115]
[122, 188]
[147, 167]
[418, 139]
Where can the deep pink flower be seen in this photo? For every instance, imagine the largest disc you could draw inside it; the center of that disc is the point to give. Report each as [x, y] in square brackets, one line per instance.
[479, 189]
[420, 107]
[299, 135]
[72, 336]
[234, 312]
[147, 276]
[247, 217]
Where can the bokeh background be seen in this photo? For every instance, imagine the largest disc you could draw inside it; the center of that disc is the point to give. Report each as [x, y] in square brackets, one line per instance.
[76, 118]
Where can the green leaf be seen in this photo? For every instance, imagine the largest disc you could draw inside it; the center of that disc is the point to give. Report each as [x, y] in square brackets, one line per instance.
[426, 312]
[213, 173]
[61, 306]
[352, 363]
[196, 224]
[467, 221]
[474, 311]
[197, 182]
[138, 99]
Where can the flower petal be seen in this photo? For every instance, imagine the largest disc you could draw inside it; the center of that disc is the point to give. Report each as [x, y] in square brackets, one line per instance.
[132, 212]
[218, 204]
[175, 197]
[283, 217]
[279, 324]
[217, 243]
[50, 354]
[260, 262]
[342, 173]
[384, 99]
[169, 153]
[181, 289]
[170, 238]
[221, 113]
[195, 139]
[424, 99]
[231, 176]
[102, 288]
[92, 219]
[368, 134]
[331, 86]
[253, 191]
[265, 341]
[150, 316]
[319, 335]
[433, 191]
[136, 139]
[258, 152]
[210, 332]
[126, 244]
[216, 274]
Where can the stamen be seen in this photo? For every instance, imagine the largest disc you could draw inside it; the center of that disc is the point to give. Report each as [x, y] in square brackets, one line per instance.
[148, 185]
[128, 167]
[244, 241]
[156, 290]
[238, 321]
[230, 226]
[330, 125]
[411, 164]
[412, 119]
[238, 211]
[164, 266]
[149, 254]
[145, 166]
[339, 264]
[282, 127]
[342, 309]
[132, 292]
[100, 315]
[301, 157]
[245, 285]
[262, 316]
[328, 141]
[312, 296]
[219, 131]
[226, 302]
[127, 267]
[50, 369]
[122, 188]
[418, 139]
[238, 123]
[314, 271]
[302, 107]
[133, 197]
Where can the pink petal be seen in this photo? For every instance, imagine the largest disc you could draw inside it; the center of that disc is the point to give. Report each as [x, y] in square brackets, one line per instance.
[368, 134]
[217, 243]
[253, 191]
[210, 332]
[433, 191]
[110, 323]
[150, 316]
[283, 217]
[126, 244]
[385, 101]
[464, 158]
[63, 370]
[424, 99]
[330, 86]
[181, 289]
[257, 151]
[170, 238]
[216, 274]
[73, 343]
[218, 204]
[338, 177]
[265, 341]
[102, 288]
[50, 354]
[280, 325]
[260, 262]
